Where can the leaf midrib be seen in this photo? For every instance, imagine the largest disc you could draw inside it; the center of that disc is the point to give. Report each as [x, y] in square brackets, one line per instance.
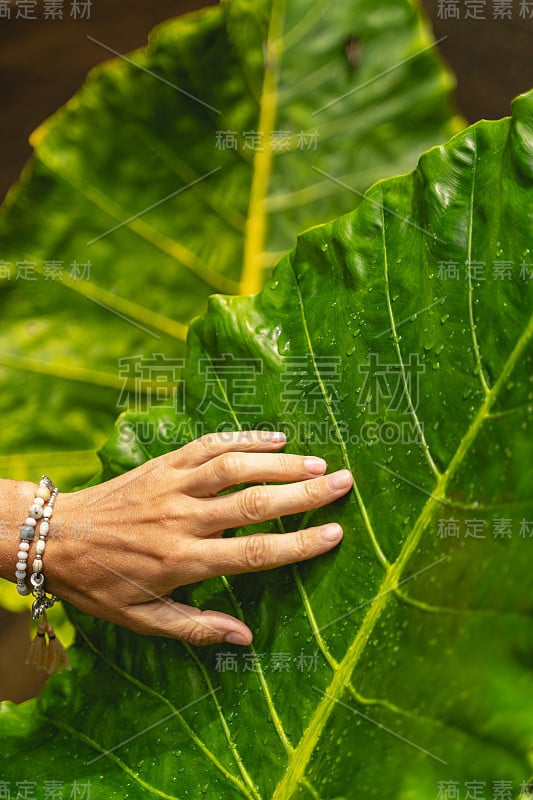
[302, 753]
[252, 272]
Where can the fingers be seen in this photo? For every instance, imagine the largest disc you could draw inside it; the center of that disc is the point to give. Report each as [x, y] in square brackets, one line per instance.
[164, 617]
[230, 469]
[260, 503]
[263, 550]
[214, 444]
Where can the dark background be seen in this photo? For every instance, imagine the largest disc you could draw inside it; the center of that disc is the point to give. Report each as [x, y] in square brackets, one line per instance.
[43, 63]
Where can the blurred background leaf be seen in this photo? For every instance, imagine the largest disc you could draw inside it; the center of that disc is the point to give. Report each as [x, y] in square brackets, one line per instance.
[184, 169]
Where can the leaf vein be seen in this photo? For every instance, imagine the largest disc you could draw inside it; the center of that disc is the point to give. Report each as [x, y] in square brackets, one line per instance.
[362, 508]
[74, 732]
[149, 690]
[421, 438]
[472, 322]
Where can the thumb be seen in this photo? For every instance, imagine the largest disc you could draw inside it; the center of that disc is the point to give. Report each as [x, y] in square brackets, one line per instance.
[164, 617]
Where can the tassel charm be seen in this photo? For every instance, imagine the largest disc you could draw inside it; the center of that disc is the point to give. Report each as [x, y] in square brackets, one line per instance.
[50, 656]
[57, 656]
[38, 648]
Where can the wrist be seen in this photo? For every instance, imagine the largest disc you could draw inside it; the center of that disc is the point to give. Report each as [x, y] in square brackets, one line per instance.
[66, 546]
[17, 497]
[63, 540]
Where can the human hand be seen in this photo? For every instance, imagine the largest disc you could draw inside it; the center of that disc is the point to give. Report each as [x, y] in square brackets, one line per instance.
[160, 527]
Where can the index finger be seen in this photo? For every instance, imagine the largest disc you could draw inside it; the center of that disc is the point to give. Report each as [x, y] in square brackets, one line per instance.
[212, 445]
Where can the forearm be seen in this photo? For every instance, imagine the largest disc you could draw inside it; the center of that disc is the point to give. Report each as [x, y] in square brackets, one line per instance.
[15, 499]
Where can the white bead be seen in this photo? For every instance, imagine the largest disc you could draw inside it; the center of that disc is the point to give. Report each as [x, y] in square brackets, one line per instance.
[24, 546]
[23, 589]
[39, 547]
[37, 565]
[38, 501]
[30, 521]
[47, 513]
[22, 555]
[36, 511]
[21, 565]
[20, 575]
[45, 527]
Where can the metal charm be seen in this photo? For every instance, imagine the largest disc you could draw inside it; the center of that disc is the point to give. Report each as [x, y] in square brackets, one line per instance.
[41, 603]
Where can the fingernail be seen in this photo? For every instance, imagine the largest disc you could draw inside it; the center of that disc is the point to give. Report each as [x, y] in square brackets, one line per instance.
[331, 533]
[274, 436]
[235, 638]
[317, 466]
[340, 480]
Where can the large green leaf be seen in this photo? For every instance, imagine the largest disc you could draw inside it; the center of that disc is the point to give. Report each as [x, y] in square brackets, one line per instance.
[137, 177]
[408, 649]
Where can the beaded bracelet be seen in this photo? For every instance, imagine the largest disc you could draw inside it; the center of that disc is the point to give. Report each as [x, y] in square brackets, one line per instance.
[42, 600]
[49, 655]
[27, 532]
[46, 493]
